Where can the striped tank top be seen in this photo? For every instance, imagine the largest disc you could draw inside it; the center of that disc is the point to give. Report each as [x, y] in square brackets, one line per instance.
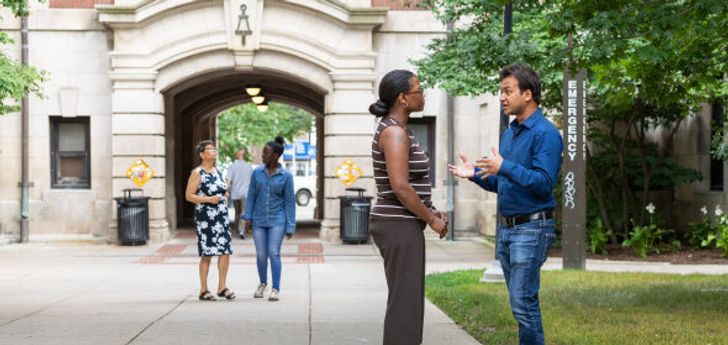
[387, 205]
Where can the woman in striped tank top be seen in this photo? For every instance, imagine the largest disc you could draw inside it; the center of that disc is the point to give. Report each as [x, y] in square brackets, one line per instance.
[403, 207]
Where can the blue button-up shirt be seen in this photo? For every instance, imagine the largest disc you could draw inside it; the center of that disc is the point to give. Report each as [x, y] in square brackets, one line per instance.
[271, 200]
[531, 154]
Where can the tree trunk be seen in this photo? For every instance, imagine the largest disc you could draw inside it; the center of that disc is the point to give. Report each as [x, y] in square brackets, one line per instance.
[596, 188]
[621, 143]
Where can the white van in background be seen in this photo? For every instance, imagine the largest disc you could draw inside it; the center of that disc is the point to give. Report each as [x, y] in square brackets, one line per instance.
[305, 187]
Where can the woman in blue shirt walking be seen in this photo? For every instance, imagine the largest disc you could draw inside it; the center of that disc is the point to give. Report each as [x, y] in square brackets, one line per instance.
[271, 214]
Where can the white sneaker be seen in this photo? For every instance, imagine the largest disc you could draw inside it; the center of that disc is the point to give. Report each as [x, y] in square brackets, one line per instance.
[259, 291]
[273, 297]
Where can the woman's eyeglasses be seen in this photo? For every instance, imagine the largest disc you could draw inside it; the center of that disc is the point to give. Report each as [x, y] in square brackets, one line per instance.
[420, 91]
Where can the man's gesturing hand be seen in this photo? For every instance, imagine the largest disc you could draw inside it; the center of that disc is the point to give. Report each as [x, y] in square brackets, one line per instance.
[489, 166]
[464, 170]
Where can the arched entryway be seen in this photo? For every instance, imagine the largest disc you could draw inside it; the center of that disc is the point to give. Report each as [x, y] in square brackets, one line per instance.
[176, 63]
[191, 109]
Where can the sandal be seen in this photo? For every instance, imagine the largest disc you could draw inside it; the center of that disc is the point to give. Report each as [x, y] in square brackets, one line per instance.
[207, 296]
[226, 293]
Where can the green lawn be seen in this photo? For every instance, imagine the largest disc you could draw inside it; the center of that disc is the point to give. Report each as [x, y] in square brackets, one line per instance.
[593, 308]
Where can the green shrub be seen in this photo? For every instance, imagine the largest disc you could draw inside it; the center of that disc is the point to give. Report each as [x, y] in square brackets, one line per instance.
[643, 239]
[698, 233]
[598, 237]
[720, 235]
[648, 238]
[722, 241]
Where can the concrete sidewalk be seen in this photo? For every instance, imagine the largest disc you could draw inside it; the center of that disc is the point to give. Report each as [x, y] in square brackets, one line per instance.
[71, 293]
[102, 294]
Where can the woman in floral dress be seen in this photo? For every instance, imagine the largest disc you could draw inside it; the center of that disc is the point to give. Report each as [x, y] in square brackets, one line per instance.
[206, 188]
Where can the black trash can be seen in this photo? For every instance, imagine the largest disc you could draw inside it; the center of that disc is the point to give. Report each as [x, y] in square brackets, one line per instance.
[354, 216]
[133, 217]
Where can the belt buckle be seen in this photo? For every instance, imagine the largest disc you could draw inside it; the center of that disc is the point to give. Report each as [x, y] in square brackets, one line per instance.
[509, 221]
[537, 216]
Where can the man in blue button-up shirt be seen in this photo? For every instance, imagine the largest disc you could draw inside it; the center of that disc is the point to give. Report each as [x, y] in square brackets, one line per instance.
[523, 173]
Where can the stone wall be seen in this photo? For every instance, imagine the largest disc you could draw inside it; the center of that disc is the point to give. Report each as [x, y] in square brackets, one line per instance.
[73, 50]
[691, 148]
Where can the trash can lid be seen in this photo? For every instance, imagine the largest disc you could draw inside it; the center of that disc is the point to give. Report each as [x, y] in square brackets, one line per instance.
[129, 191]
[132, 201]
[360, 191]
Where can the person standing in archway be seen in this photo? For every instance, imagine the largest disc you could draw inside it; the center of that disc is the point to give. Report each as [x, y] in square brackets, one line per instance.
[206, 188]
[403, 207]
[238, 181]
[271, 215]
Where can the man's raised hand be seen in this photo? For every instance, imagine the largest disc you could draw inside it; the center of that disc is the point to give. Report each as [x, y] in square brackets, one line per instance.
[464, 170]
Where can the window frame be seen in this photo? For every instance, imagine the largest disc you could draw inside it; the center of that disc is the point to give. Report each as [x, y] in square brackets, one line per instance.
[430, 123]
[55, 122]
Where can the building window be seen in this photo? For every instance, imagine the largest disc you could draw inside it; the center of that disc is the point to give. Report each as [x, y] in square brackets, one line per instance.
[424, 132]
[70, 153]
[716, 165]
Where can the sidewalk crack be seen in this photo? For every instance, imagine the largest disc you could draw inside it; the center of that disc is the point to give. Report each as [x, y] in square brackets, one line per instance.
[37, 311]
[49, 306]
[158, 319]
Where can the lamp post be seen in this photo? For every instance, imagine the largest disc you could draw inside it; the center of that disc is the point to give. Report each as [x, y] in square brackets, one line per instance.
[450, 182]
[24, 134]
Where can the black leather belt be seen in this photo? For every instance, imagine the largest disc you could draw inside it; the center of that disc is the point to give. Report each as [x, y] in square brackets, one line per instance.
[525, 218]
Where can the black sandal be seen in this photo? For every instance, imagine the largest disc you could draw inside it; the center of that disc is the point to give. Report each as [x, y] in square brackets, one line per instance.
[207, 296]
[226, 293]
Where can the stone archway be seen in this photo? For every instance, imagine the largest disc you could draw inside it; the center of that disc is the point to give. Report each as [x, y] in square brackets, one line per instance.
[321, 50]
[191, 108]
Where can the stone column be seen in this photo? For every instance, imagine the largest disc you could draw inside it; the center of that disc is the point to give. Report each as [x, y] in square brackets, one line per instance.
[137, 128]
[348, 129]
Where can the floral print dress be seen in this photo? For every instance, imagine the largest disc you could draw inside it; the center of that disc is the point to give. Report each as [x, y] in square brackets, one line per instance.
[211, 220]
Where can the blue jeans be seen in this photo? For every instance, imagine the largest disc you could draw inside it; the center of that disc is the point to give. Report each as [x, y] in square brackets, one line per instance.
[268, 241]
[522, 250]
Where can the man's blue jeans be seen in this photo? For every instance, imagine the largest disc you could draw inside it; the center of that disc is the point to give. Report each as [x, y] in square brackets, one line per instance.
[268, 241]
[522, 250]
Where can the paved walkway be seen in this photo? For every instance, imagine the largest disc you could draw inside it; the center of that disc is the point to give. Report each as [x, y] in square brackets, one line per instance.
[102, 294]
[331, 294]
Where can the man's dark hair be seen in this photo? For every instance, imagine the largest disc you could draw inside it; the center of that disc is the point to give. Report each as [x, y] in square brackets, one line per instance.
[527, 79]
